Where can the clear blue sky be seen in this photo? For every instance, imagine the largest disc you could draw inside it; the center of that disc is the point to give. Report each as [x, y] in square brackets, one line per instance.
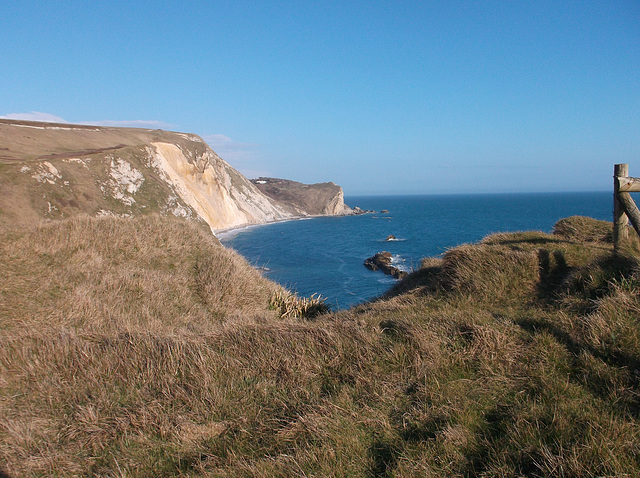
[380, 97]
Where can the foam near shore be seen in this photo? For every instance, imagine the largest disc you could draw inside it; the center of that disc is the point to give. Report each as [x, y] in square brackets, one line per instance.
[230, 232]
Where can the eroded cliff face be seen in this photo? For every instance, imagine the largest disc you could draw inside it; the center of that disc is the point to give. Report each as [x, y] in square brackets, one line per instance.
[305, 199]
[220, 195]
[57, 170]
[336, 206]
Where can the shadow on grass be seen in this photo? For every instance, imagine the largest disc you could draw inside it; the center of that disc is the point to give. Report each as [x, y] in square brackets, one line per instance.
[595, 282]
[596, 383]
[384, 457]
[554, 272]
[525, 461]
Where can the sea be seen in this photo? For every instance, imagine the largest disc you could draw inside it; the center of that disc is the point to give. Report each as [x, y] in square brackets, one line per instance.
[325, 255]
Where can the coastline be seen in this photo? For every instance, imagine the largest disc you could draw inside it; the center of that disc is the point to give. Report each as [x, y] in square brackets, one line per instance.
[326, 257]
[228, 232]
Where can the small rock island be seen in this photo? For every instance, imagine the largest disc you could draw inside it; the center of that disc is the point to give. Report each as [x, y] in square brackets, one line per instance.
[383, 261]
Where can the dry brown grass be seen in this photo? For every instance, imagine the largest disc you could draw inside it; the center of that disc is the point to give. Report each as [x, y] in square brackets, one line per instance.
[147, 274]
[585, 229]
[460, 372]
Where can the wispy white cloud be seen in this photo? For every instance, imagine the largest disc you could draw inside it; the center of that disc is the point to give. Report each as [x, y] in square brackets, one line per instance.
[225, 143]
[49, 118]
[230, 149]
[35, 116]
[245, 157]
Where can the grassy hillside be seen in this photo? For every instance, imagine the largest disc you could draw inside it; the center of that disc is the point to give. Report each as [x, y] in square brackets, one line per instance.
[139, 347]
[56, 171]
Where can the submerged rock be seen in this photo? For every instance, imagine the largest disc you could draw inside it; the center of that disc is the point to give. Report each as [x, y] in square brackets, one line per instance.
[383, 261]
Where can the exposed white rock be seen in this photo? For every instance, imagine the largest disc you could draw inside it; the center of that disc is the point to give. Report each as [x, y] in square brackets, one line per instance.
[124, 181]
[336, 206]
[177, 209]
[15, 125]
[81, 161]
[220, 196]
[126, 176]
[46, 173]
[106, 213]
[50, 209]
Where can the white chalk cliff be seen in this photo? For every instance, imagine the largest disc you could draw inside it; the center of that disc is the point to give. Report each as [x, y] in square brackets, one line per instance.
[220, 195]
[57, 170]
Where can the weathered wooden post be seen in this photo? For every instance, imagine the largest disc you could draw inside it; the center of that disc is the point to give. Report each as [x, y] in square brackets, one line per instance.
[620, 219]
[624, 209]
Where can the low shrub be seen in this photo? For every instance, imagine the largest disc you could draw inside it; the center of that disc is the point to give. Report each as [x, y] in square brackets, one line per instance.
[290, 305]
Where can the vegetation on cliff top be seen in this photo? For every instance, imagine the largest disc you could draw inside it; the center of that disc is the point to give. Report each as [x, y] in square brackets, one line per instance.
[138, 347]
[57, 171]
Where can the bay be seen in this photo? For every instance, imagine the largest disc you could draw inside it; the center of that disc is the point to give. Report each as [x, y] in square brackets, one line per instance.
[325, 255]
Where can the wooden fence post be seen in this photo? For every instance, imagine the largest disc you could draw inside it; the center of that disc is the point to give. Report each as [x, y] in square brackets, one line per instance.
[624, 208]
[620, 219]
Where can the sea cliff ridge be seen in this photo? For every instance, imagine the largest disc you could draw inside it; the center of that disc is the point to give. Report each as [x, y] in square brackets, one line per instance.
[54, 171]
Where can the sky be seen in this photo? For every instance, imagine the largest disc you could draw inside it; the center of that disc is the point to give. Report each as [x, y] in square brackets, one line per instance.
[380, 97]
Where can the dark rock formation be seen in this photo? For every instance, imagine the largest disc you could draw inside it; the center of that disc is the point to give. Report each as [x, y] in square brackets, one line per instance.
[390, 237]
[382, 261]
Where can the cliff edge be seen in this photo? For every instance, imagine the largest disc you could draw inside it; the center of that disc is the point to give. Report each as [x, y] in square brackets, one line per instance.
[50, 170]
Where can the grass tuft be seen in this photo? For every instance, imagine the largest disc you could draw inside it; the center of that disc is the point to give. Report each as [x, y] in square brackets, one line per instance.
[289, 305]
[584, 229]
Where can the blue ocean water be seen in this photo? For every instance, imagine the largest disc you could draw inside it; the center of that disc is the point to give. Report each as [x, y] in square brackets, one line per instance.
[325, 255]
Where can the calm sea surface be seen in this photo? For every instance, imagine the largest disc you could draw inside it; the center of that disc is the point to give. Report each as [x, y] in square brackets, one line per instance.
[325, 255]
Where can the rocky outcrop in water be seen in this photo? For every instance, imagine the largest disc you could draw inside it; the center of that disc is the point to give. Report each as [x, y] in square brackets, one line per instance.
[357, 211]
[383, 261]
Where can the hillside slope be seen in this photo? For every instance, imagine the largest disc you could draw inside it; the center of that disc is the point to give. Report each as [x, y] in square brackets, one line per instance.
[59, 170]
[141, 347]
